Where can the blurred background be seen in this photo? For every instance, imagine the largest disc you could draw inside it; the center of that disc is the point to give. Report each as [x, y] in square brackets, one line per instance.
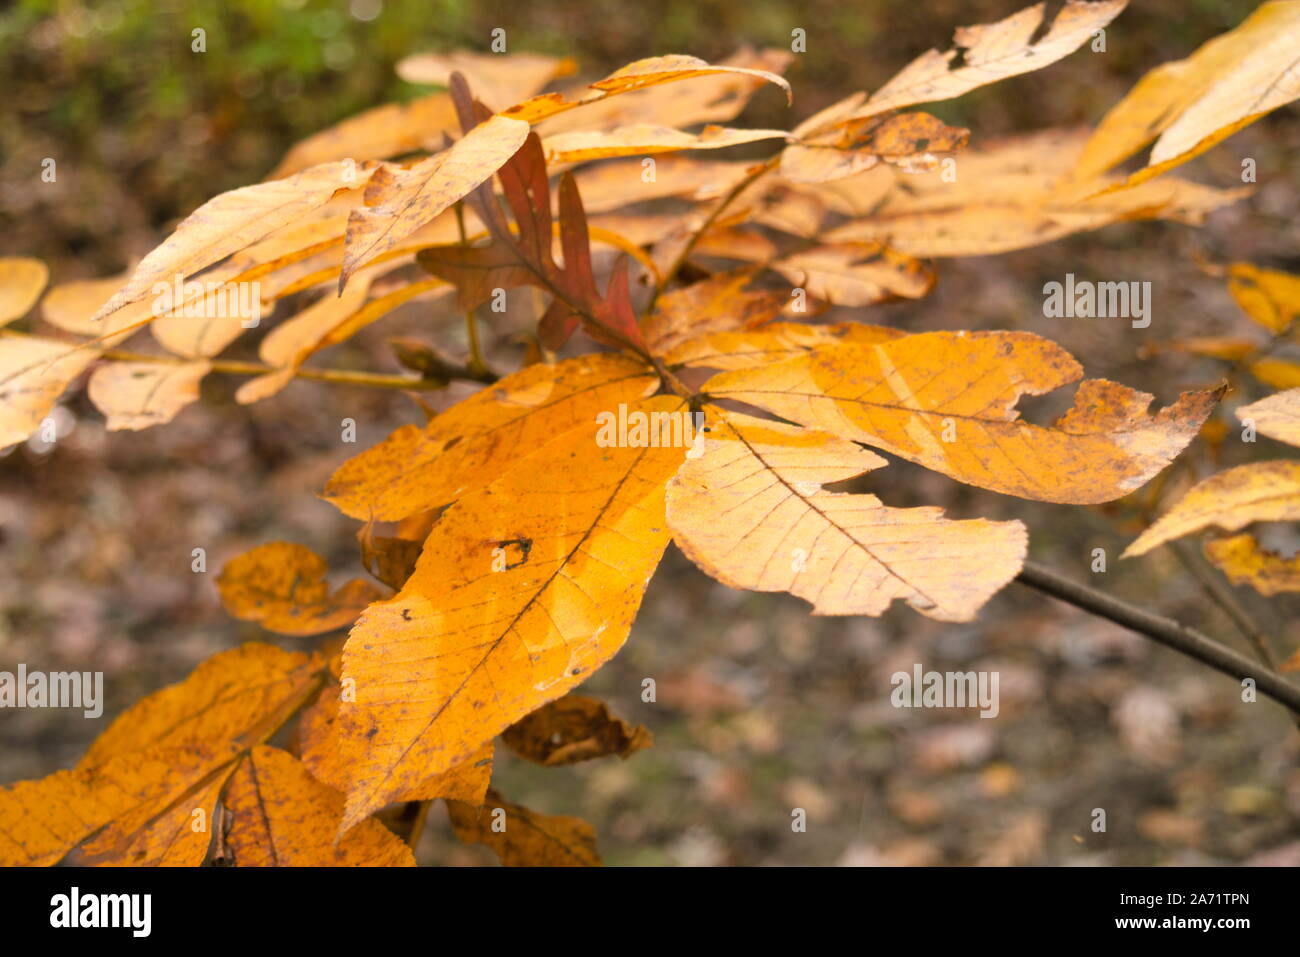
[761, 708]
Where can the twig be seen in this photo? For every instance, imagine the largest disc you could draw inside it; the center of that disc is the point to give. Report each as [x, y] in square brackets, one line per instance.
[1241, 619]
[338, 376]
[1167, 631]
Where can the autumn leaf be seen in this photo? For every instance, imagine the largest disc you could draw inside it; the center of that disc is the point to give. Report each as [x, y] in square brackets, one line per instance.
[230, 222]
[752, 511]
[524, 838]
[1231, 500]
[1275, 372]
[500, 80]
[990, 52]
[723, 303]
[523, 589]
[416, 470]
[1277, 416]
[1188, 106]
[323, 752]
[637, 76]
[1269, 297]
[1241, 558]
[905, 395]
[33, 374]
[771, 343]
[644, 139]
[139, 395]
[282, 817]
[21, 282]
[510, 261]
[282, 586]
[156, 763]
[396, 128]
[399, 201]
[1006, 198]
[70, 305]
[913, 141]
[856, 273]
[574, 728]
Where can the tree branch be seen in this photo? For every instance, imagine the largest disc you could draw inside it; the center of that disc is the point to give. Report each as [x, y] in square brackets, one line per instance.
[1167, 631]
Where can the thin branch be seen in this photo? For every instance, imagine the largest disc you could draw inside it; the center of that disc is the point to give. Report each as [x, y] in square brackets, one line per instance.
[1167, 631]
[1220, 595]
[337, 376]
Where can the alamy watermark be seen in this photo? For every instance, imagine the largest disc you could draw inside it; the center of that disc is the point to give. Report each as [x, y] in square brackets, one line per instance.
[946, 689]
[54, 689]
[1098, 300]
[651, 430]
[210, 300]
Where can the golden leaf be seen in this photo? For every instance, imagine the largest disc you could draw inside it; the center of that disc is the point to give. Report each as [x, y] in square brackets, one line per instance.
[752, 511]
[282, 586]
[945, 400]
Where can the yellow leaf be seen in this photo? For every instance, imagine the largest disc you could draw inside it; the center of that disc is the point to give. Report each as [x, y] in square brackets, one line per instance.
[21, 282]
[574, 728]
[523, 589]
[645, 138]
[282, 817]
[856, 273]
[396, 128]
[707, 98]
[524, 838]
[70, 305]
[323, 753]
[1277, 416]
[1245, 563]
[399, 201]
[1217, 347]
[1279, 373]
[295, 339]
[416, 470]
[1231, 500]
[1268, 296]
[282, 586]
[638, 75]
[752, 511]
[723, 303]
[771, 343]
[610, 186]
[33, 374]
[231, 221]
[992, 51]
[1004, 198]
[45, 819]
[913, 141]
[160, 754]
[1193, 104]
[138, 395]
[498, 80]
[946, 400]
[176, 835]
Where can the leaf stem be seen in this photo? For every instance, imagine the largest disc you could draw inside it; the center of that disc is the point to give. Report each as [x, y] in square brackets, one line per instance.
[1167, 631]
[476, 362]
[680, 259]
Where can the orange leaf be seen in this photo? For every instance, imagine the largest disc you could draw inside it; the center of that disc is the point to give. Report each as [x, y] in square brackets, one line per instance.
[574, 728]
[752, 511]
[523, 589]
[282, 585]
[946, 400]
[524, 838]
